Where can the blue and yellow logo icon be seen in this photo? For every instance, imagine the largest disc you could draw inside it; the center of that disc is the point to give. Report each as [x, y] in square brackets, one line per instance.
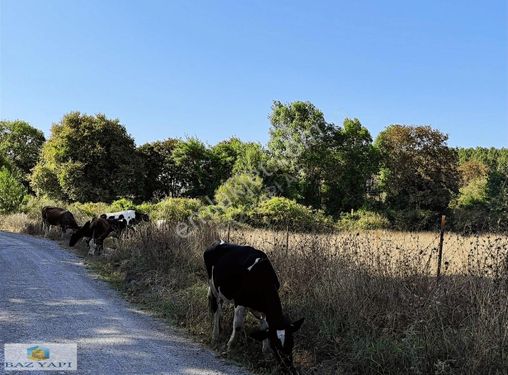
[37, 353]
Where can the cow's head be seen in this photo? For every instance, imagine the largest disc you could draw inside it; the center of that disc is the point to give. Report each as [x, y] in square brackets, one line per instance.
[80, 233]
[281, 340]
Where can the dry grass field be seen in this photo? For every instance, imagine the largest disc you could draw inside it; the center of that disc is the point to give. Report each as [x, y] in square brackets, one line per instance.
[371, 301]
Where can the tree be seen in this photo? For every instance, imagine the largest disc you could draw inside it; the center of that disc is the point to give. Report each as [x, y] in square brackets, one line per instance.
[300, 140]
[252, 158]
[419, 170]
[12, 192]
[161, 175]
[88, 158]
[350, 164]
[225, 154]
[470, 170]
[197, 165]
[330, 164]
[20, 145]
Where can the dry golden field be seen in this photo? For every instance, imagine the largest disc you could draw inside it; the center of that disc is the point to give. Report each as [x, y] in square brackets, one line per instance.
[371, 300]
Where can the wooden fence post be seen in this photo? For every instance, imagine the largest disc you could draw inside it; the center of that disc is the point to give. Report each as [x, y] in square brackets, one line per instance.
[287, 239]
[441, 240]
[229, 230]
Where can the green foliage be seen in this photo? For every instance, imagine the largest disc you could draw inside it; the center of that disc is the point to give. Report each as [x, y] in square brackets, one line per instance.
[196, 164]
[252, 158]
[20, 146]
[473, 194]
[122, 204]
[363, 220]
[349, 165]
[4, 162]
[226, 154]
[176, 209]
[242, 191]
[12, 192]
[161, 176]
[413, 219]
[300, 140]
[281, 212]
[90, 209]
[419, 170]
[34, 205]
[88, 158]
[329, 165]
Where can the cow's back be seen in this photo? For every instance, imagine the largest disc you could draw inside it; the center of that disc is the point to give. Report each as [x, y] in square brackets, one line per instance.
[52, 215]
[240, 272]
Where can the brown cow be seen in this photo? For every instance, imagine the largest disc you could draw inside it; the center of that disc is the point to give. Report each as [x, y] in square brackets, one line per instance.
[59, 217]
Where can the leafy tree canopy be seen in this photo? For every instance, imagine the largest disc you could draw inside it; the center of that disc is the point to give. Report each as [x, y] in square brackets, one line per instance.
[88, 158]
[419, 170]
[12, 192]
[161, 175]
[20, 146]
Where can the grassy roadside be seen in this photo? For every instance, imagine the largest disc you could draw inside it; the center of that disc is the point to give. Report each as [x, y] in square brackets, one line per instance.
[150, 292]
[371, 302]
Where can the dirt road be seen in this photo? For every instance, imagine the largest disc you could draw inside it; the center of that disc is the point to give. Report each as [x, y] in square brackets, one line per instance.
[47, 295]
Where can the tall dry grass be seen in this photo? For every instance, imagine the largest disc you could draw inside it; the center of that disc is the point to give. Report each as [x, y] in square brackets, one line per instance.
[371, 300]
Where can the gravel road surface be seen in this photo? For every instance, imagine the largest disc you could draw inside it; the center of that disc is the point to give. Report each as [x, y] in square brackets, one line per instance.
[47, 295]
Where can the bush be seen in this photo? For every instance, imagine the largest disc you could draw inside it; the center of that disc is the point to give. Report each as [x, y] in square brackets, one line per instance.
[281, 212]
[363, 220]
[177, 209]
[34, 205]
[92, 209]
[242, 191]
[413, 220]
[12, 192]
[122, 204]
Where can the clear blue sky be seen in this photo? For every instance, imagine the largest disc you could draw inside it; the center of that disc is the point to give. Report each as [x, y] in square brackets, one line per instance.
[211, 69]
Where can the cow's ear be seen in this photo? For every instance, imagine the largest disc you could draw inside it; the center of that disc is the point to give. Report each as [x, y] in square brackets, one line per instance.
[296, 325]
[259, 335]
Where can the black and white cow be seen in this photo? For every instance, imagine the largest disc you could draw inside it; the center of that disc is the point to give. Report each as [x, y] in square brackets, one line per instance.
[245, 277]
[132, 217]
[95, 232]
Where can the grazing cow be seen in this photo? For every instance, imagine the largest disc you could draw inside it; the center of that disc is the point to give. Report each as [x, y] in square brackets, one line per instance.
[96, 232]
[245, 277]
[59, 217]
[132, 217]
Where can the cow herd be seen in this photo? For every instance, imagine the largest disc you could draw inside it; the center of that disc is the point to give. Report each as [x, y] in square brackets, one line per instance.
[240, 275]
[93, 231]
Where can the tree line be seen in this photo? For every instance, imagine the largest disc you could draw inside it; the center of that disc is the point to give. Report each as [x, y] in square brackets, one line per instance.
[408, 175]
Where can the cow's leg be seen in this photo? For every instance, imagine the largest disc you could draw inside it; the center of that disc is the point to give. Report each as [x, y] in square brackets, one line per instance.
[91, 247]
[212, 302]
[238, 322]
[99, 244]
[263, 325]
[64, 230]
[216, 320]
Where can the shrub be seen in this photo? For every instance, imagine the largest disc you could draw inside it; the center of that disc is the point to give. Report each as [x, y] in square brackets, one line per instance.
[92, 209]
[242, 191]
[177, 209]
[122, 204]
[363, 220]
[34, 205]
[413, 219]
[281, 212]
[12, 192]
